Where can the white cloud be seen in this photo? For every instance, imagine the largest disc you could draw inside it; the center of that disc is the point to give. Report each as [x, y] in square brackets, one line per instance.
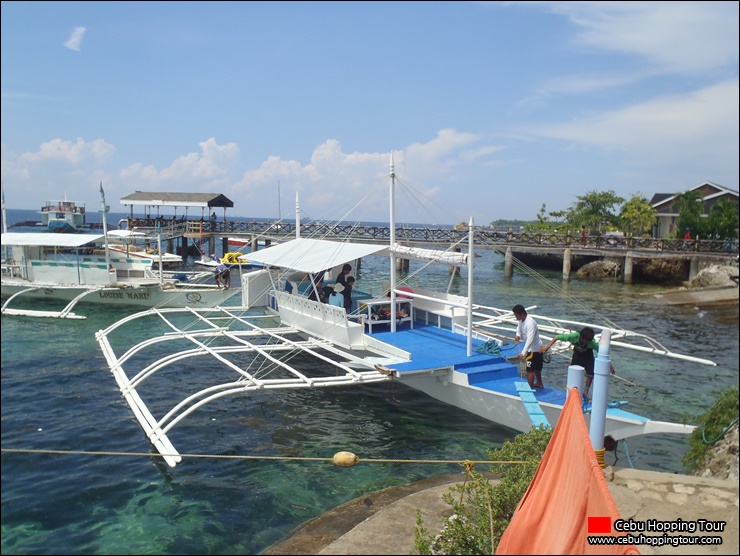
[75, 39]
[691, 130]
[677, 37]
[69, 152]
[208, 169]
[711, 112]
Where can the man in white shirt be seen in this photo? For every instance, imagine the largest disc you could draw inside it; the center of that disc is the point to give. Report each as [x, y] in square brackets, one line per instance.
[528, 331]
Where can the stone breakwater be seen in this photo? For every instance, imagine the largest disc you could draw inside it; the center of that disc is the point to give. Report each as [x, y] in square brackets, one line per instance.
[722, 462]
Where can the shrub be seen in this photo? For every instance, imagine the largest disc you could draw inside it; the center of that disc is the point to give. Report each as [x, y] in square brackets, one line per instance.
[483, 509]
[712, 425]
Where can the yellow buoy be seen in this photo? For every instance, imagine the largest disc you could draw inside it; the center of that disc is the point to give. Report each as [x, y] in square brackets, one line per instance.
[345, 459]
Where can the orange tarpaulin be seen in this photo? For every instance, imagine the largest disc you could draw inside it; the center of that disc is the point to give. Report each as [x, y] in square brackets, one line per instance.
[567, 489]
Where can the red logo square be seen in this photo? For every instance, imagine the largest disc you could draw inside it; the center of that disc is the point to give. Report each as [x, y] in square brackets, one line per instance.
[600, 524]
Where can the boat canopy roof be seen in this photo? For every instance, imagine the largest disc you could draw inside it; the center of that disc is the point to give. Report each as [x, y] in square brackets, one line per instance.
[48, 239]
[164, 199]
[313, 255]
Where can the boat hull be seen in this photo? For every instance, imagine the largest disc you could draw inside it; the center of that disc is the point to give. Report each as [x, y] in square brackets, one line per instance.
[140, 296]
[62, 226]
[509, 410]
[169, 260]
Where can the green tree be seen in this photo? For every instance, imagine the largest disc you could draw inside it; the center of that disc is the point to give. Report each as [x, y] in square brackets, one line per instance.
[723, 220]
[545, 223]
[637, 216]
[595, 210]
[690, 208]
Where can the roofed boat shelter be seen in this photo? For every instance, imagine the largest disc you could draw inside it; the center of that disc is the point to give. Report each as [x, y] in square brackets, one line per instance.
[206, 201]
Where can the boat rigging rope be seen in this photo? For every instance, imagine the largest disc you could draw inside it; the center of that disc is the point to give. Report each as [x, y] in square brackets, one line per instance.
[467, 464]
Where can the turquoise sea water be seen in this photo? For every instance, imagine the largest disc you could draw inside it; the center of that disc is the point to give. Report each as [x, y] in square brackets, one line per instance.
[58, 395]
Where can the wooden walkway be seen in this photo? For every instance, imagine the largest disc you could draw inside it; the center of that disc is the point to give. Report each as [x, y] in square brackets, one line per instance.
[483, 237]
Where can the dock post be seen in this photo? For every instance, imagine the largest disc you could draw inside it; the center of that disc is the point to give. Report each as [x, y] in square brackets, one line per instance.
[508, 267]
[628, 268]
[255, 247]
[693, 267]
[566, 264]
[402, 265]
[454, 269]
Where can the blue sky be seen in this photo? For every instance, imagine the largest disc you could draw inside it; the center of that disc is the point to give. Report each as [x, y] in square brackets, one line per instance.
[491, 109]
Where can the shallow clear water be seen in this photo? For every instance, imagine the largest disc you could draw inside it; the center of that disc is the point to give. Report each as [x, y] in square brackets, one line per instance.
[57, 394]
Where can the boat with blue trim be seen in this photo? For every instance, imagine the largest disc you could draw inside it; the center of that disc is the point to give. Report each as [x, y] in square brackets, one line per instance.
[284, 337]
[63, 216]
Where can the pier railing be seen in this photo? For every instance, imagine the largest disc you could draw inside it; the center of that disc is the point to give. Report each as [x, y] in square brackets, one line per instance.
[482, 236]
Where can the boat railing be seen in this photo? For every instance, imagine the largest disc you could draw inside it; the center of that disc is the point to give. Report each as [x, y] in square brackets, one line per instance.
[11, 269]
[441, 305]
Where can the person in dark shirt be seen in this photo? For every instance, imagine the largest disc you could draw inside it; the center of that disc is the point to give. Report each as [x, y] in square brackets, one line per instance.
[347, 293]
[342, 277]
[317, 286]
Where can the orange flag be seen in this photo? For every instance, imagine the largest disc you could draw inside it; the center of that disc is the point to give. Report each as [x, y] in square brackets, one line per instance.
[568, 500]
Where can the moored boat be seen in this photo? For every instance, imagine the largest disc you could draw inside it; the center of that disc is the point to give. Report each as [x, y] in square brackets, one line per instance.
[82, 268]
[138, 245]
[437, 342]
[63, 216]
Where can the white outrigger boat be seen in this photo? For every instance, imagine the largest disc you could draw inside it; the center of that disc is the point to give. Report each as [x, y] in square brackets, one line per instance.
[74, 268]
[133, 245]
[278, 339]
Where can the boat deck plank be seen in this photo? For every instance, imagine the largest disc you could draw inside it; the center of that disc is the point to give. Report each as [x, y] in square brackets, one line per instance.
[435, 347]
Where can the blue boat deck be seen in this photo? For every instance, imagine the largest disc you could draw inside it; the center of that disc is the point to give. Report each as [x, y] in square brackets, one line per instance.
[432, 347]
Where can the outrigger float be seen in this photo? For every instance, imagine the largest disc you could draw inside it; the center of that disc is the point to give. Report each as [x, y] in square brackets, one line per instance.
[439, 343]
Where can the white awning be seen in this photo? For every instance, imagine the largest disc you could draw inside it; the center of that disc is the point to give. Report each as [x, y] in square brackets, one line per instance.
[125, 233]
[312, 255]
[452, 258]
[49, 239]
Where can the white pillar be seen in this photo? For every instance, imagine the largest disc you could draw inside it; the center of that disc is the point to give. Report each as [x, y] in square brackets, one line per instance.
[602, 366]
[576, 378]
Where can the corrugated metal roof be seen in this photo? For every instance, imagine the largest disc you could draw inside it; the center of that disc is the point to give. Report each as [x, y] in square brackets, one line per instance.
[167, 199]
[49, 239]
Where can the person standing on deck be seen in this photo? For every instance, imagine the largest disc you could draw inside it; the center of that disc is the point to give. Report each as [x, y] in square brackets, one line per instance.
[342, 277]
[317, 288]
[336, 298]
[223, 275]
[528, 330]
[347, 293]
[584, 346]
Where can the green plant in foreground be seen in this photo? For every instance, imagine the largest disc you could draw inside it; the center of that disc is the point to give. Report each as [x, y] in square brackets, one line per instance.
[482, 508]
[712, 425]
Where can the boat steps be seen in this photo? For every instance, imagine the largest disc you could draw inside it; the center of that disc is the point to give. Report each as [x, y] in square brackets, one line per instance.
[531, 404]
[481, 372]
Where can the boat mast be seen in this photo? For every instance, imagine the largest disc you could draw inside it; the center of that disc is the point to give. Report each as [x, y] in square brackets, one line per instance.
[297, 216]
[470, 287]
[5, 223]
[104, 210]
[393, 243]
